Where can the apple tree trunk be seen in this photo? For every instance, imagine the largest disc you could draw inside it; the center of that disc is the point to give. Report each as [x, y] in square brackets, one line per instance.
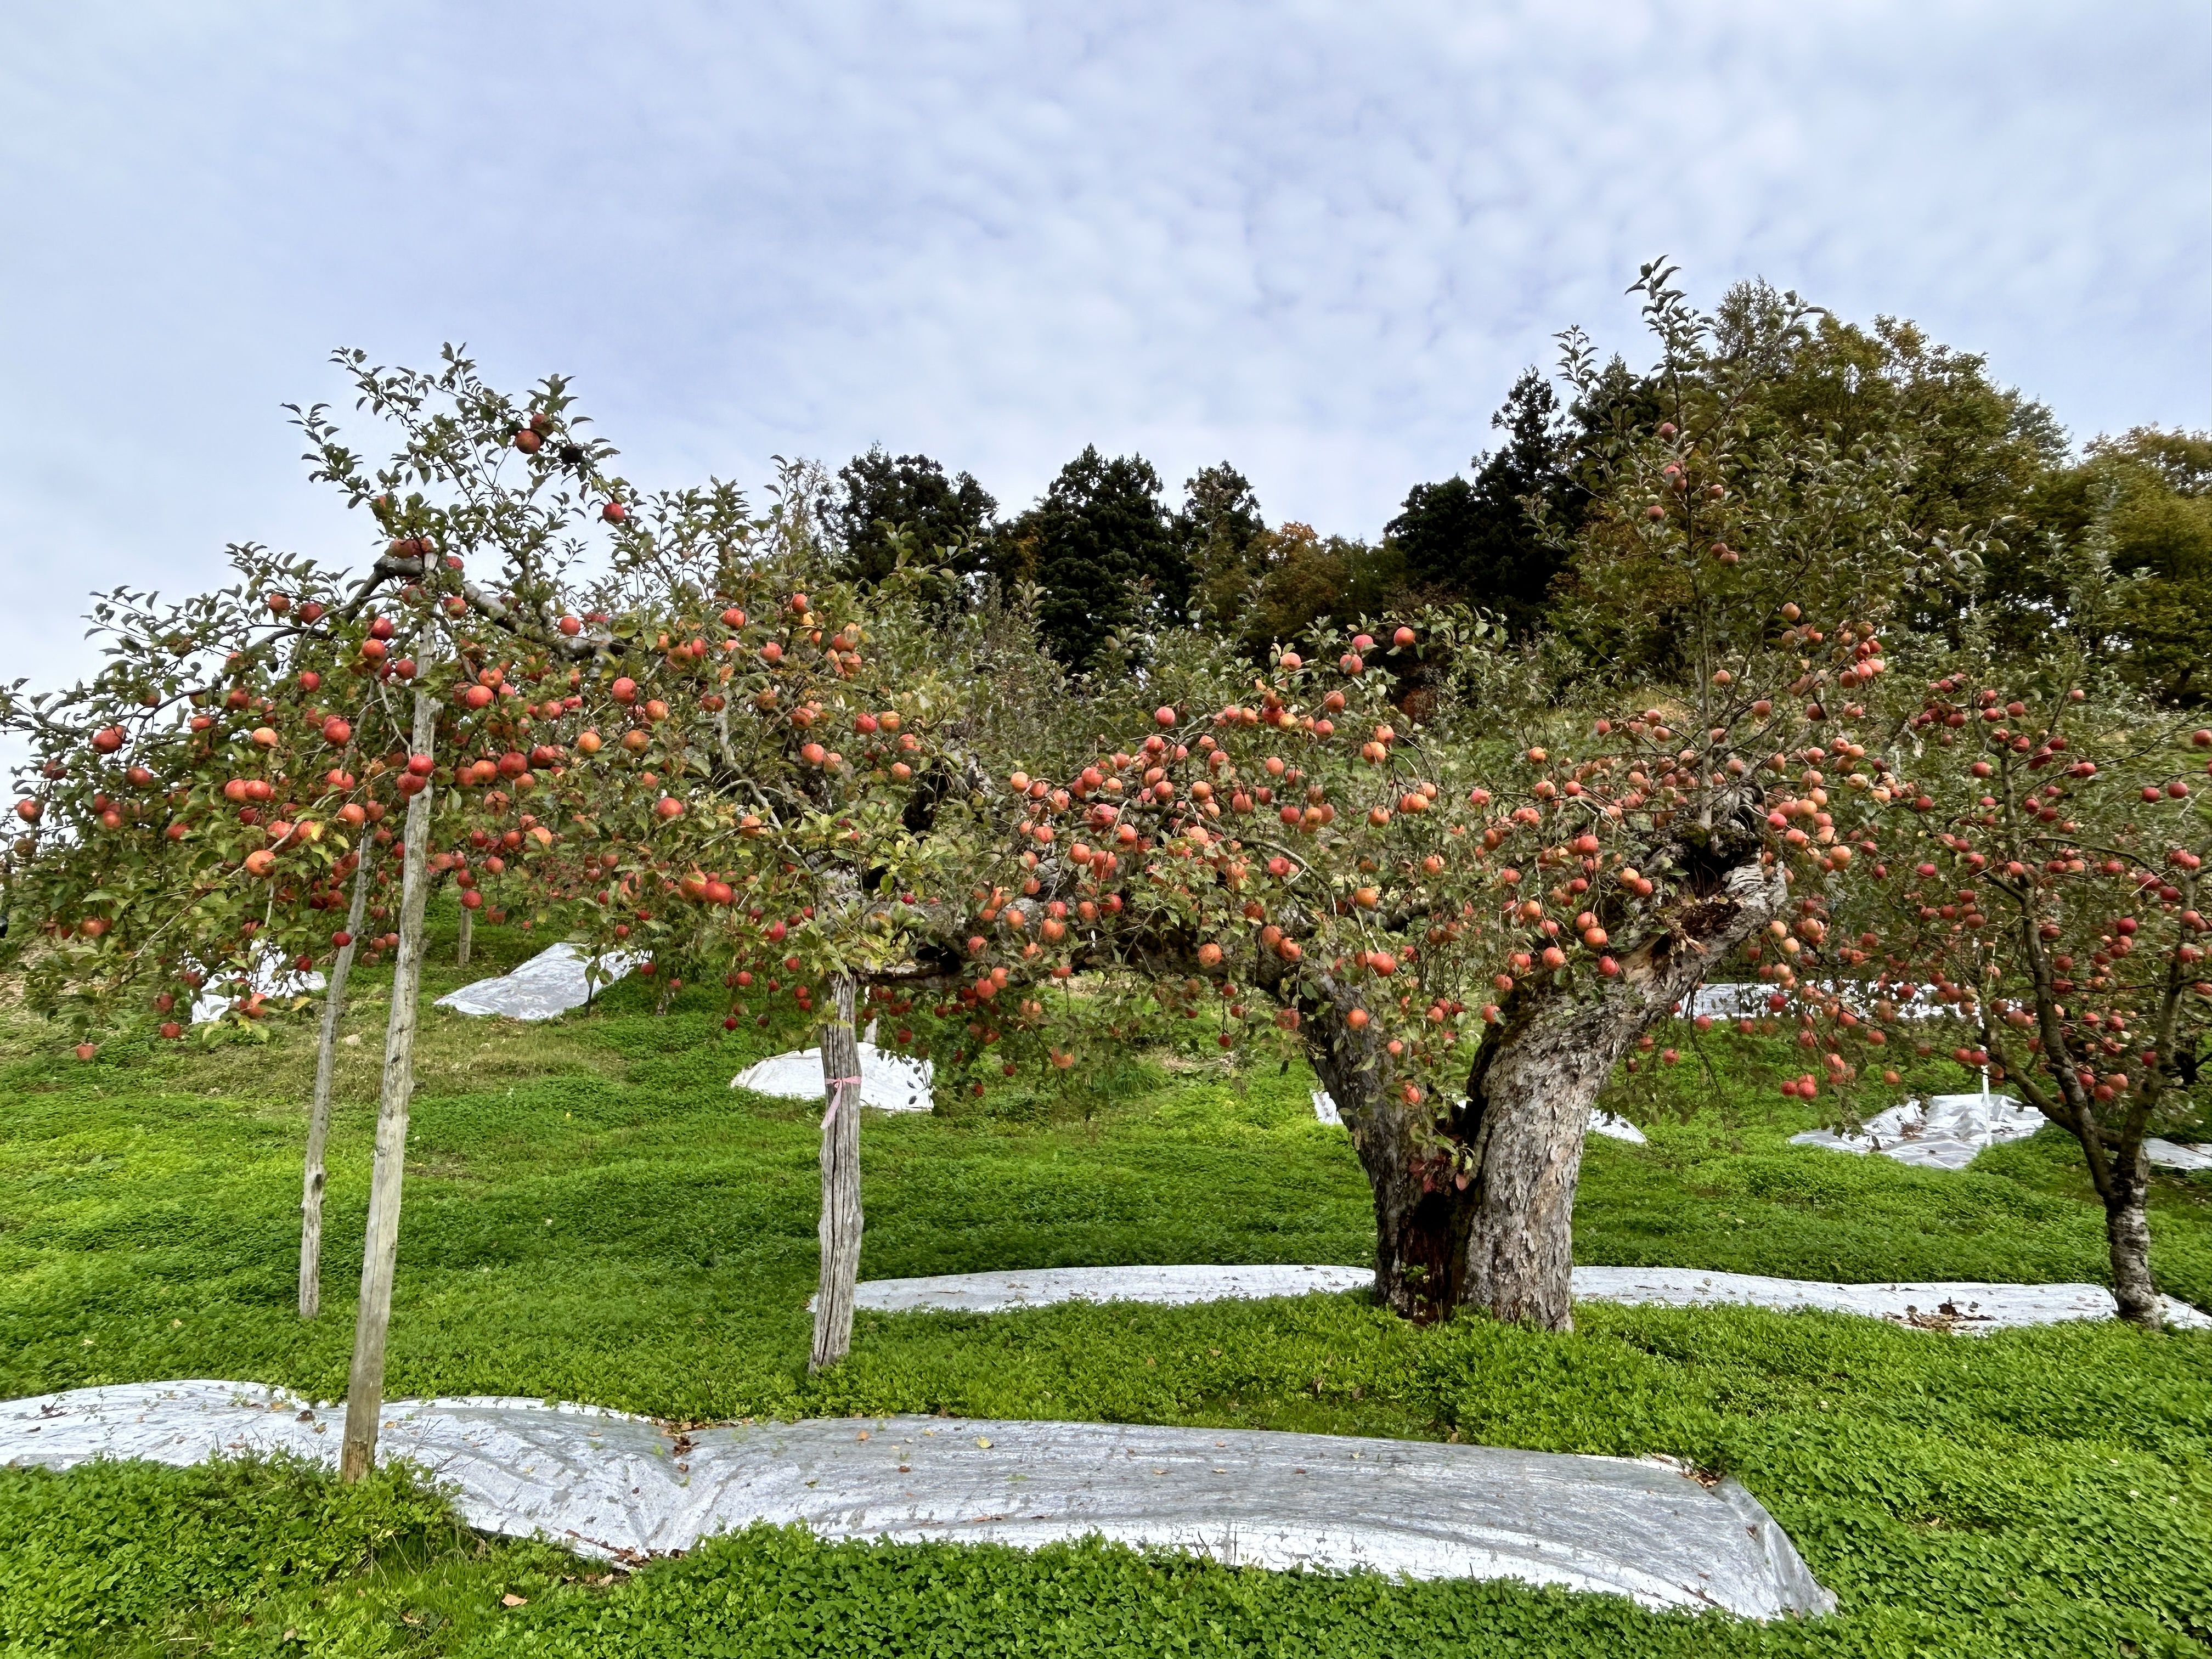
[1475, 1207]
[841, 1221]
[318, 1109]
[2127, 1236]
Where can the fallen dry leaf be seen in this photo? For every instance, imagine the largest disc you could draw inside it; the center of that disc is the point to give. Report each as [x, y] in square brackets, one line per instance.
[511, 1600]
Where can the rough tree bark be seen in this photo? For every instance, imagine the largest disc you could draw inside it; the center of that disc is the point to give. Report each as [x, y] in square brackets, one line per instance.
[2120, 1171]
[2127, 1237]
[842, 1220]
[1505, 1241]
[319, 1109]
[365, 1390]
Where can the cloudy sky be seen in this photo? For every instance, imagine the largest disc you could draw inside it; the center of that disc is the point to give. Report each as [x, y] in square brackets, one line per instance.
[1318, 240]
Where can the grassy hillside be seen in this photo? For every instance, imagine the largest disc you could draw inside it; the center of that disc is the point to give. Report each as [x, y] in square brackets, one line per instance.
[592, 1214]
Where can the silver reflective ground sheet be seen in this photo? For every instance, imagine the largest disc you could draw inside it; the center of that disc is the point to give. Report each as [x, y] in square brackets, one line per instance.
[623, 1487]
[551, 983]
[1948, 1132]
[1952, 1305]
[889, 1082]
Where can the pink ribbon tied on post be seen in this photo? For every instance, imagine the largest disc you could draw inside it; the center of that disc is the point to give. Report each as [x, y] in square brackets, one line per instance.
[837, 1087]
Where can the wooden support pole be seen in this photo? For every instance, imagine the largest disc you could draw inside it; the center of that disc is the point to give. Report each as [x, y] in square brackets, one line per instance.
[365, 1391]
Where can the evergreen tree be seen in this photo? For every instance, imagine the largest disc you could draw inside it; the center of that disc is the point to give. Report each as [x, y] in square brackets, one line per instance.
[2154, 491]
[880, 495]
[1217, 535]
[1102, 551]
[1481, 541]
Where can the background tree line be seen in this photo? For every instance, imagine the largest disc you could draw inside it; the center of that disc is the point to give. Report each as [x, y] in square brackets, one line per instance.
[2107, 548]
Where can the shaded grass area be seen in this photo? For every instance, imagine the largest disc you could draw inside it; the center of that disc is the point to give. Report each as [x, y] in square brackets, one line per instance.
[592, 1214]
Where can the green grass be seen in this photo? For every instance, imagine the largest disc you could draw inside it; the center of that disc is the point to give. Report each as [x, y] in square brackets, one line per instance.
[593, 1215]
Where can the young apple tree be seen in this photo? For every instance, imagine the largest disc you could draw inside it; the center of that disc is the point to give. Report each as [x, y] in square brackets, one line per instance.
[2048, 913]
[194, 812]
[786, 795]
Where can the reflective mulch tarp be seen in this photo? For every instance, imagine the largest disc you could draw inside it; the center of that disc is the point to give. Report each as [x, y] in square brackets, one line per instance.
[1948, 1132]
[551, 983]
[625, 1487]
[889, 1082]
[1962, 1306]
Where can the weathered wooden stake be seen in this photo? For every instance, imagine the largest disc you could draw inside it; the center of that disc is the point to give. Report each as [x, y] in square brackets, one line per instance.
[319, 1111]
[365, 1391]
[468, 931]
[841, 1221]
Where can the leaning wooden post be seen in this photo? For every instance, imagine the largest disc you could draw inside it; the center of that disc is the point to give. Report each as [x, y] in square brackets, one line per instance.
[841, 1221]
[319, 1111]
[365, 1392]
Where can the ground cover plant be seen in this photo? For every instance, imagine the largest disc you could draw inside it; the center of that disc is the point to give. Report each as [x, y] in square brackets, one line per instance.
[605, 1220]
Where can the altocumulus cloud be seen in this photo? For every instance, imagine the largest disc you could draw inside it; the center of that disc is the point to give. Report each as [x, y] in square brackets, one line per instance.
[1318, 240]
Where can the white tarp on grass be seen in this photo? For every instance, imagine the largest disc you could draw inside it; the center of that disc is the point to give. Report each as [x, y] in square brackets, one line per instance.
[272, 976]
[549, 983]
[1959, 1306]
[1601, 1123]
[1947, 1132]
[625, 1487]
[2173, 1156]
[1739, 1001]
[889, 1082]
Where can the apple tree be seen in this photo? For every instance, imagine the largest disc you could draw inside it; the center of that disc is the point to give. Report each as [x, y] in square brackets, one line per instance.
[787, 793]
[193, 814]
[2043, 915]
[1468, 918]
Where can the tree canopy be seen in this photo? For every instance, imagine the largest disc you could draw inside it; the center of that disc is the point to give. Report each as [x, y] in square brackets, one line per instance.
[1103, 553]
[948, 519]
[1498, 542]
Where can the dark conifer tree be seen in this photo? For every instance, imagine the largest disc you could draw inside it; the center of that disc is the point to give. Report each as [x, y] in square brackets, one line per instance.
[1481, 541]
[880, 495]
[1103, 549]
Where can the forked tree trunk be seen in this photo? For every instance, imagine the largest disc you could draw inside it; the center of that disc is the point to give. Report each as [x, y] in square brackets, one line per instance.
[1504, 1240]
[468, 933]
[365, 1390]
[841, 1221]
[319, 1109]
